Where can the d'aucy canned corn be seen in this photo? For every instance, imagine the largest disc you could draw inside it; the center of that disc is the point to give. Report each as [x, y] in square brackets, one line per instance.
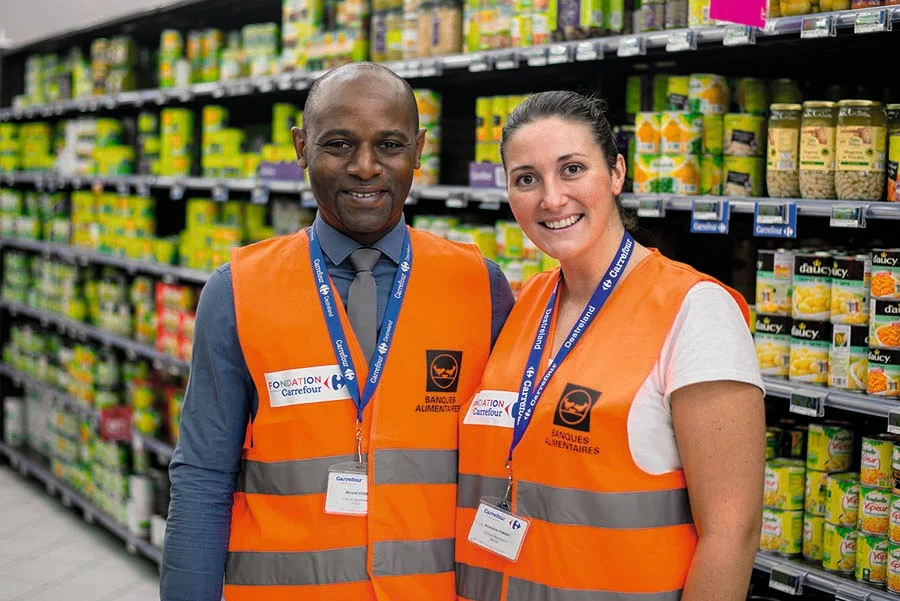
[850, 281]
[811, 291]
[810, 350]
[773, 344]
[848, 361]
[774, 274]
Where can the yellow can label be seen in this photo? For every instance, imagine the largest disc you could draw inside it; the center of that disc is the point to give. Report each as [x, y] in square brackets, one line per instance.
[647, 133]
[842, 499]
[646, 174]
[711, 175]
[679, 174]
[894, 521]
[681, 133]
[875, 462]
[708, 94]
[713, 134]
[783, 149]
[784, 484]
[813, 537]
[830, 448]
[861, 148]
[816, 493]
[874, 510]
[773, 344]
[839, 553]
[817, 148]
[782, 532]
[893, 568]
[810, 347]
[871, 559]
[744, 135]
[743, 176]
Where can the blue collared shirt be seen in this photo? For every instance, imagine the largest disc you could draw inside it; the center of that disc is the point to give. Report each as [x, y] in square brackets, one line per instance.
[221, 397]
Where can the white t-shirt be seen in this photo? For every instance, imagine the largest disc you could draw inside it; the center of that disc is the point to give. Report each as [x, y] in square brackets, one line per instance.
[709, 341]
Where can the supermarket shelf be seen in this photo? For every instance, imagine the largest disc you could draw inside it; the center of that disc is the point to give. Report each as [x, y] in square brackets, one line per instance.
[76, 328]
[55, 181]
[809, 208]
[162, 450]
[28, 464]
[538, 56]
[816, 577]
[849, 401]
[169, 273]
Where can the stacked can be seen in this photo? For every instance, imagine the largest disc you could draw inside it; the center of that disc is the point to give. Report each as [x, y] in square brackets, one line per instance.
[875, 502]
[491, 113]
[893, 561]
[811, 331]
[177, 142]
[148, 143]
[772, 331]
[832, 533]
[667, 150]
[884, 324]
[429, 103]
[848, 359]
[744, 147]
[784, 492]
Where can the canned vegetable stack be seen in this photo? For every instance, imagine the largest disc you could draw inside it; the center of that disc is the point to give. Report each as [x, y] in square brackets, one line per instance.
[784, 492]
[875, 484]
[429, 103]
[850, 282]
[884, 324]
[772, 331]
[830, 452]
[744, 147]
[811, 332]
[491, 113]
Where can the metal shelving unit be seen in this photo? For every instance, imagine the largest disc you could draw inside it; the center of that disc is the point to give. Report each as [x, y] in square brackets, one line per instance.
[29, 465]
[82, 331]
[845, 588]
[849, 401]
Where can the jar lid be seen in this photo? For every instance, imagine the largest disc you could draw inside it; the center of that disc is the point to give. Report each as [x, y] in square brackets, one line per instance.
[869, 103]
[819, 104]
[786, 107]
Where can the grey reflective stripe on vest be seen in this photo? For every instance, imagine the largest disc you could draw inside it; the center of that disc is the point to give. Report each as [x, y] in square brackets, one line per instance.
[471, 489]
[335, 566]
[403, 558]
[566, 506]
[523, 590]
[299, 477]
[478, 584]
[404, 466]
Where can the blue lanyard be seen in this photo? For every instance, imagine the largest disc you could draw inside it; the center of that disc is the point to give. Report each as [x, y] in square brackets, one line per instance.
[336, 330]
[528, 394]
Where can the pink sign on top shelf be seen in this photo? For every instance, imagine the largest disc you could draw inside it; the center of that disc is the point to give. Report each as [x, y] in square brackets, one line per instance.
[745, 12]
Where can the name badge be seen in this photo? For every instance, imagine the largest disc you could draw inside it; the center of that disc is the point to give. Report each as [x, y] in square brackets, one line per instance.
[498, 531]
[348, 489]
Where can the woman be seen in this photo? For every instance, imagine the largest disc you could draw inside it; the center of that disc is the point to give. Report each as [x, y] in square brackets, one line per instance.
[616, 446]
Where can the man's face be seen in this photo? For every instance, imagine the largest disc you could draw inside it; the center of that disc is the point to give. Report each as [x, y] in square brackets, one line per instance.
[361, 149]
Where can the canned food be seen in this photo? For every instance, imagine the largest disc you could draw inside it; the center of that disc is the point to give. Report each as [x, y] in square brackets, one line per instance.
[884, 324]
[810, 349]
[813, 537]
[713, 134]
[874, 510]
[850, 282]
[784, 484]
[884, 373]
[811, 292]
[839, 548]
[708, 94]
[773, 442]
[894, 521]
[782, 532]
[679, 174]
[681, 133]
[829, 447]
[774, 274]
[886, 274]
[679, 93]
[794, 442]
[816, 492]
[842, 499]
[711, 175]
[848, 362]
[646, 174]
[895, 469]
[647, 133]
[876, 461]
[773, 344]
[751, 96]
[893, 568]
[509, 239]
[744, 176]
[744, 135]
[871, 559]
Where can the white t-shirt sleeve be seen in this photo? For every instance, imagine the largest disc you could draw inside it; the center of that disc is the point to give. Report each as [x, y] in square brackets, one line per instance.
[709, 341]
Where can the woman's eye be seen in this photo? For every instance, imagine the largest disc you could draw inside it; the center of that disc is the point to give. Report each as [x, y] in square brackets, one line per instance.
[572, 169]
[525, 180]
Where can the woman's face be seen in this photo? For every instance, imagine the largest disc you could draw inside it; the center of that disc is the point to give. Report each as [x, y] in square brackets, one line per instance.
[561, 189]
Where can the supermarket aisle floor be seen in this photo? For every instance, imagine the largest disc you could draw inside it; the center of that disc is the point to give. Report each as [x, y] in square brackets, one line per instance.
[48, 553]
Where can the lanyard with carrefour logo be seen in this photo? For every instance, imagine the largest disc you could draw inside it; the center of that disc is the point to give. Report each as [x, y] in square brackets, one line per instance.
[336, 330]
[495, 527]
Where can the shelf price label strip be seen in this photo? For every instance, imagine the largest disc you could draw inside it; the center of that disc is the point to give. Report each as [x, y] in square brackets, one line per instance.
[775, 220]
[811, 404]
[710, 216]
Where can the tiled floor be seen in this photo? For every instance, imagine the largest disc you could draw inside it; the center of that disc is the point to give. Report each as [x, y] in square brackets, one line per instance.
[48, 553]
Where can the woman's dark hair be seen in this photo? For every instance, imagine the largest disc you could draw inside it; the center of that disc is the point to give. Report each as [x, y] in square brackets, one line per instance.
[577, 108]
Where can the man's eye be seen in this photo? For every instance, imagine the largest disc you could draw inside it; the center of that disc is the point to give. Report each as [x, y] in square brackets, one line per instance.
[337, 144]
[392, 145]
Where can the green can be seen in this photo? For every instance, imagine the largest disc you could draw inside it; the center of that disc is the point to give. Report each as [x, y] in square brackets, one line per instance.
[711, 175]
[743, 176]
[678, 93]
[751, 96]
[829, 447]
[283, 119]
[713, 134]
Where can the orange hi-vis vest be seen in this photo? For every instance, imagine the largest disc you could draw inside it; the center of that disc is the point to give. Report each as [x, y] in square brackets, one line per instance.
[283, 545]
[601, 529]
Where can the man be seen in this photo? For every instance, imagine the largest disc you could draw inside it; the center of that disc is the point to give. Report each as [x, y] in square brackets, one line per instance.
[317, 457]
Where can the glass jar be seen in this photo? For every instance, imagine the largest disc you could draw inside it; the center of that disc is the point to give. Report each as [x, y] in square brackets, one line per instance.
[410, 36]
[893, 165]
[783, 162]
[394, 27]
[446, 35]
[817, 146]
[786, 91]
[860, 150]
[379, 37]
[425, 26]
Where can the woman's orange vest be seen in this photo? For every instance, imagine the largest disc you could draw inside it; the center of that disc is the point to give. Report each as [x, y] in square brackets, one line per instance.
[600, 526]
[283, 545]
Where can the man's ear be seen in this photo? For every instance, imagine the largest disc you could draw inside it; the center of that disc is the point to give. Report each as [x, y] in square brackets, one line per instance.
[420, 146]
[299, 138]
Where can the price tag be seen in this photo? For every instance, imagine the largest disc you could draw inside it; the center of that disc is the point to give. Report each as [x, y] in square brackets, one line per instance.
[710, 216]
[893, 426]
[176, 192]
[874, 21]
[456, 200]
[631, 46]
[260, 194]
[654, 207]
[589, 51]
[536, 57]
[142, 189]
[559, 54]
[431, 68]
[480, 64]
[308, 200]
[122, 189]
[679, 41]
[218, 91]
[506, 61]
[160, 98]
[811, 404]
[786, 581]
[739, 35]
[775, 220]
[852, 217]
[220, 192]
[76, 183]
[265, 86]
[818, 27]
